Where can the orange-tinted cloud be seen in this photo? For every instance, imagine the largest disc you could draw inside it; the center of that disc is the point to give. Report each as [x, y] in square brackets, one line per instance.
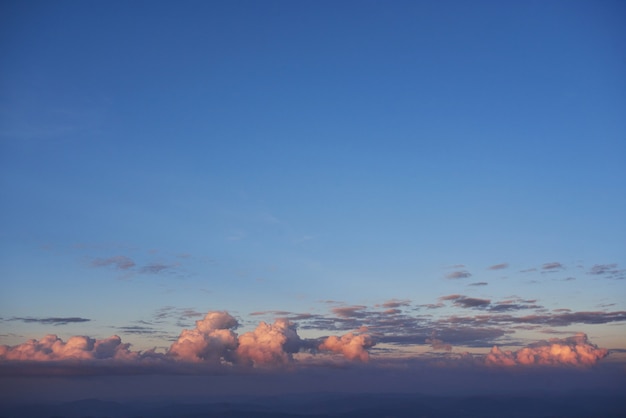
[353, 347]
[51, 348]
[269, 344]
[575, 351]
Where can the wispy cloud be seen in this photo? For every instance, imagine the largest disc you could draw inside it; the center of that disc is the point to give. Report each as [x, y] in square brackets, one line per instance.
[500, 266]
[552, 267]
[120, 262]
[51, 320]
[610, 271]
[459, 274]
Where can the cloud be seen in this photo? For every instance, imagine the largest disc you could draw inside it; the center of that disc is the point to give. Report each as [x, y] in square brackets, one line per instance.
[353, 347]
[548, 267]
[608, 270]
[156, 268]
[269, 344]
[396, 303]
[459, 274]
[51, 321]
[212, 340]
[498, 266]
[51, 348]
[478, 284]
[574, 351]
[120, 262]
[437, 344]
[350, 311]
[466, 302]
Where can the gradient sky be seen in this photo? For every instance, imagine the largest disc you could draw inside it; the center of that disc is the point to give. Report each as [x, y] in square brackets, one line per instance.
[324, 162]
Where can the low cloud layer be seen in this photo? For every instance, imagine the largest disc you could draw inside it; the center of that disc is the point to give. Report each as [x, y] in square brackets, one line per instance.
[212, 342]
[52, 348]
[572, 351]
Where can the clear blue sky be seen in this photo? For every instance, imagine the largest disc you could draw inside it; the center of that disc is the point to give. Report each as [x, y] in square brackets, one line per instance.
[272, 155]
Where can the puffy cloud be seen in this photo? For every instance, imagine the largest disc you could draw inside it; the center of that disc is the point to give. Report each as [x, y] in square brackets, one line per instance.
[575, 351]
[269, 344]
[353, 347]
[51, 348]
[212, 340]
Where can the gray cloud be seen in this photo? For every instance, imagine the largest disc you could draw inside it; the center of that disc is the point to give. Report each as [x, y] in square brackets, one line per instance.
[610, 271]
[554, 266]
[156, 268]
[499, 266]
[120, 262]
[478, 284]
[51, 320]
[459, 274]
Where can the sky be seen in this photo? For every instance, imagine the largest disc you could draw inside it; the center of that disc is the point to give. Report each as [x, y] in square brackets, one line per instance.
[227, 187]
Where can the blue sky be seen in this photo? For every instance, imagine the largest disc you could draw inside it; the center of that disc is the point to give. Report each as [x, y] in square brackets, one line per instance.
[159, 161]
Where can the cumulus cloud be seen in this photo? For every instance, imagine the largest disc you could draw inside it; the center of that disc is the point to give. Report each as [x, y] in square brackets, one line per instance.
[51, 348]
[269, 344]
[353, 347]
[574, 351]
[459, 274]
[212, 340]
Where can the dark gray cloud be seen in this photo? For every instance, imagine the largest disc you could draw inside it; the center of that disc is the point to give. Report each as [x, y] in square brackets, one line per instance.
[500, 266]
[120, 262]
[466, 302]
[478, 284]
[459, 274]
[51, 320]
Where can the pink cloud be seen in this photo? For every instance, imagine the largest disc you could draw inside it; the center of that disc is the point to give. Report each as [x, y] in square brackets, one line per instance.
[51, 348]
[574, 351]
[212, 340]
[353, 347]
[269, 344]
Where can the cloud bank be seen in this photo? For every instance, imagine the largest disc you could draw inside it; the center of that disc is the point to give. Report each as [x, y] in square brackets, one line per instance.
[573, 351]
[213, 342]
